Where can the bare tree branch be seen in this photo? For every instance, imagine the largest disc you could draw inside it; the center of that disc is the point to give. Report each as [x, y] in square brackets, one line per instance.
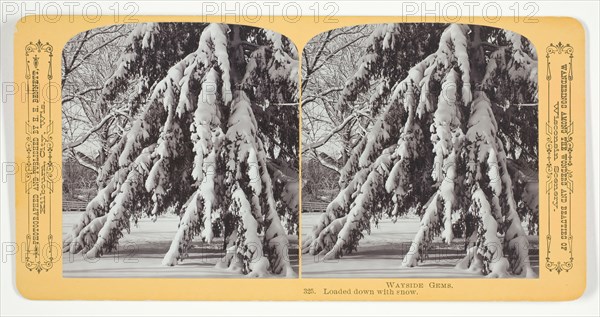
[325, 139]
[84, 138]
[68, 98]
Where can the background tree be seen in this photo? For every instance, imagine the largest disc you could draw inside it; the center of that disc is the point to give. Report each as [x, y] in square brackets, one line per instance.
[329, 132]
[448, 105]
[214, 138]
[319, 182]
[90, 131]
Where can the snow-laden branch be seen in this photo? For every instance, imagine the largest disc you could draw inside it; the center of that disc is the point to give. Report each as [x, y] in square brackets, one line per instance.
[325, 163]
[411, 172]
[93, 130]
[325, 139]
[84, 161]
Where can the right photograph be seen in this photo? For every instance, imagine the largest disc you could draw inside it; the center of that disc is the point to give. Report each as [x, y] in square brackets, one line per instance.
[419, 153]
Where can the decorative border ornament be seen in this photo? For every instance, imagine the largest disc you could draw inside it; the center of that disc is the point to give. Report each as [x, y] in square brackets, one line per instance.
[40, 171]
[559, 150]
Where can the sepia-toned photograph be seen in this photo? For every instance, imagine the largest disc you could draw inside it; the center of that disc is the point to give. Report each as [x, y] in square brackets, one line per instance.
[180, 152]
[420, 153]
[299, 154]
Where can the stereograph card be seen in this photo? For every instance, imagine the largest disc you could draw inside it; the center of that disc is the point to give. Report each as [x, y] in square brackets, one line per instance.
[371, 158]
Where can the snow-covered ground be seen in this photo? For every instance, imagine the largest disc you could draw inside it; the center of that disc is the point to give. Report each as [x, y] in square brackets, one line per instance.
[140, 254]
[380, 255]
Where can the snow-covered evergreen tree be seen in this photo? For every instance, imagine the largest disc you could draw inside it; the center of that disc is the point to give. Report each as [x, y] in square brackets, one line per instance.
[443, 144]
[215, 132]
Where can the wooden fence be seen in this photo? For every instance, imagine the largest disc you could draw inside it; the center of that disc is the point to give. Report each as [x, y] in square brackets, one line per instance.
[74, 206]
[314, 206]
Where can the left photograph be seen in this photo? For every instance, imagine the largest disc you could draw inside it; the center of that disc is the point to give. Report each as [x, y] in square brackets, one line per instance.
[180, 152]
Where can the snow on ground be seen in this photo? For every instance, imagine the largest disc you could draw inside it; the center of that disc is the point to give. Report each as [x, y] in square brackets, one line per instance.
[140, 254]
[380, 254]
